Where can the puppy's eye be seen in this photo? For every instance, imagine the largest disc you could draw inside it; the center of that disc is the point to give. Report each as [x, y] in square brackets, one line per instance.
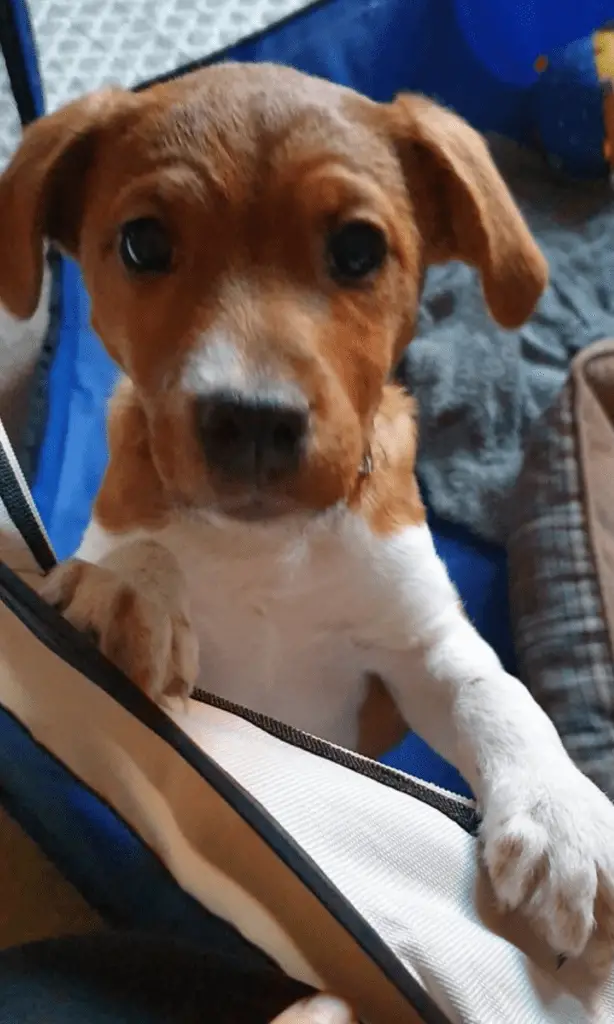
[356, 250]
[145, 246]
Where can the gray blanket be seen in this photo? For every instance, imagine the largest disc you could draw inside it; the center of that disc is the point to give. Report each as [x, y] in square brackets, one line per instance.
[480, 388]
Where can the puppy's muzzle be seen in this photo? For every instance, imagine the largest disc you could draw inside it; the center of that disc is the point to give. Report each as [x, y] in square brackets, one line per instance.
[253, 440]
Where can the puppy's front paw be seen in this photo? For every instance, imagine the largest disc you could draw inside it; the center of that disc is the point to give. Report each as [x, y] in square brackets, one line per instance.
[154, 644]
[549, 849]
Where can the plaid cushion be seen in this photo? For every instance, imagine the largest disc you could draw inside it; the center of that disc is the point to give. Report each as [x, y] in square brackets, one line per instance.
[563, 636]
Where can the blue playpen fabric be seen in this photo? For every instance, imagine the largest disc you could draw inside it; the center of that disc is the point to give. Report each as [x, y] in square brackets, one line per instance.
[378, 47]
[73, 453]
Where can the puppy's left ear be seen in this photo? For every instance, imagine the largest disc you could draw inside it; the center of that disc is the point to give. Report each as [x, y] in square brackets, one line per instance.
[463, 207]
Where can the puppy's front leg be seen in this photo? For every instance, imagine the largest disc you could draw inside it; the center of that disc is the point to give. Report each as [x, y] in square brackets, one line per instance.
[547, 831]
[129, 593]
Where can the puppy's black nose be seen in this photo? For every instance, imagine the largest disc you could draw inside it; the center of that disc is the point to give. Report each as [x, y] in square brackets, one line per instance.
[256, 440]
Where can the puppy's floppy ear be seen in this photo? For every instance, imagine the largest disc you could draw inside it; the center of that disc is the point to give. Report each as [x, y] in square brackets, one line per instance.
[41, 193]
[463, 207]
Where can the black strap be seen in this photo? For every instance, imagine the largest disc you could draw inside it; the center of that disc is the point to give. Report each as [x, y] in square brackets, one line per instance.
[15, 59]
[20, 506]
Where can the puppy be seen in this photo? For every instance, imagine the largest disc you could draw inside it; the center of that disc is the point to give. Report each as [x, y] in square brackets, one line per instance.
[253, 241]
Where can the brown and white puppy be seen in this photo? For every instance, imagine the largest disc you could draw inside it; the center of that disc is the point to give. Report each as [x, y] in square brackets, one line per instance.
[253, 241]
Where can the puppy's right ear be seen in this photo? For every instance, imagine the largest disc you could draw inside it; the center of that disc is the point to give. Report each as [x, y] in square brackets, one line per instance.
[42, 191]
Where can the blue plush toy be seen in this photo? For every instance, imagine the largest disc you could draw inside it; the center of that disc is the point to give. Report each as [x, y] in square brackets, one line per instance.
[563, 86]
[571, 101]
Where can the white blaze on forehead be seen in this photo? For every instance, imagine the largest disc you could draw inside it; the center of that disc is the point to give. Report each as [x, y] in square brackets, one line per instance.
[216, 365]
[219, 365]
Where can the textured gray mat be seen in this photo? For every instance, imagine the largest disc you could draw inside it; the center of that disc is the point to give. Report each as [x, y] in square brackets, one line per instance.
[480, 389]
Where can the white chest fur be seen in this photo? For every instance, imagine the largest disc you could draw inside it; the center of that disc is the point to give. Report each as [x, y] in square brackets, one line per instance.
[277, 619]
[281, 614]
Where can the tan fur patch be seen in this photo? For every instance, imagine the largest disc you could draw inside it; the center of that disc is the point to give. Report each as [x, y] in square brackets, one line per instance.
[381, 725]
[131, 494]
[388, 496]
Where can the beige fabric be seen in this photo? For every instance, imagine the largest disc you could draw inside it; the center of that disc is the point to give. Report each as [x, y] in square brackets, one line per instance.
[413, 874]
[593, 373]
[560, 549]
[13, 551]
[36, 901]
[210, 851]
[409, 871]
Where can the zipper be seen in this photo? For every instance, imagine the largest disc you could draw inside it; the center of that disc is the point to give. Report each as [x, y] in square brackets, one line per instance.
[457, 808]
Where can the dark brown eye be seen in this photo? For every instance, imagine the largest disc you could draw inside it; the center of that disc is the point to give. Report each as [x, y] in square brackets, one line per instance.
[145, 246]
[356, 250]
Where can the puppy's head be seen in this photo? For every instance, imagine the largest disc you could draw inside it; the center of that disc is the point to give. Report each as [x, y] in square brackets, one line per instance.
[253, 241]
